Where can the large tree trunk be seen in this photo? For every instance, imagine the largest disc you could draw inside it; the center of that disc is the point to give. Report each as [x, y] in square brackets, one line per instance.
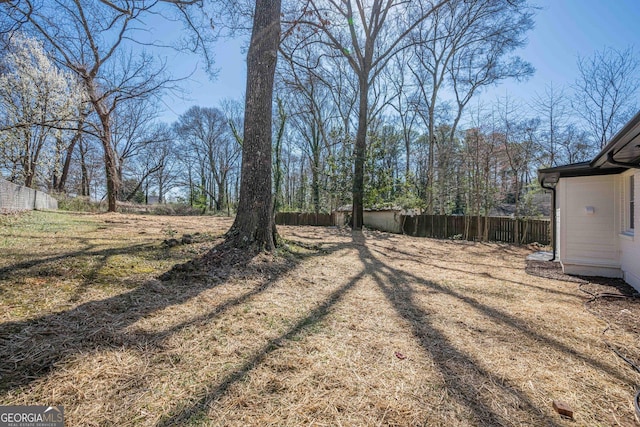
[277, 173]
[110, 161]
[315, 182]
[254, 224]
[431, 158]
[30, 164]
[360, 155]
[67, 161]
[62, 182]
[222, 186]
[111, 169]
[84, 182]
[29, 172]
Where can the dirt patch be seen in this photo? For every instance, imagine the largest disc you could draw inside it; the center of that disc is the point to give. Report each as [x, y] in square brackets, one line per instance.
[337, 328]
[550, 270]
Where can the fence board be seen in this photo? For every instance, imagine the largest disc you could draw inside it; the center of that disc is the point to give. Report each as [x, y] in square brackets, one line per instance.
[500, 229]
[302, 218]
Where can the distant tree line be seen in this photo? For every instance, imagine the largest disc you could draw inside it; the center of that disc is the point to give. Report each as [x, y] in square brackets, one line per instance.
[375, 106]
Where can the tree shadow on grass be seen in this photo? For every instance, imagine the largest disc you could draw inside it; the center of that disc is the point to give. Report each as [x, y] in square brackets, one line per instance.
[461, 371]
[463, 375]
[31, 349]
[182, 415]
[86, 263]
[409, 257]
[10, 271]
[473, 387]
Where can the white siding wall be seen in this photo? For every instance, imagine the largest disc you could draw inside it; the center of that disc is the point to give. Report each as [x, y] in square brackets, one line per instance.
[589, 242]
[558, 228]
[630, 245]
[383, 220]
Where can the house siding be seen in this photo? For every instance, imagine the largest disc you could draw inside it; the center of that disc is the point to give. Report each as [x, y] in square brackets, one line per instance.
[630, 245]
[558, 229]
[589, 243]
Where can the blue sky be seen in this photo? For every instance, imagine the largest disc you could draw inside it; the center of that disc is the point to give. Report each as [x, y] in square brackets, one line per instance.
[565, 30]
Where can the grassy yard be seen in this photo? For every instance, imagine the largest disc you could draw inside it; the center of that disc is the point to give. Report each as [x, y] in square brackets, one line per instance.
[338, 328]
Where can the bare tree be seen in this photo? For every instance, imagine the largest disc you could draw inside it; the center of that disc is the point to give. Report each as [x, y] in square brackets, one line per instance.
[312, 111]
[133, 130]
[89, 161]
[207, 135]
[554, 109]
[404, 106]
[575, 145]
[90, 39]
[324, 95]
[481, 154]
[157, 165]
[606, 91]
[368, 35]
[281, 119]
[151, 157]
[60, 182]
[234, 113]
[466, 46]
[518, 148]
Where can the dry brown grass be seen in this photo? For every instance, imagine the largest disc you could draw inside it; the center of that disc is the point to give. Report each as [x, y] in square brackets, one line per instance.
[339, 329]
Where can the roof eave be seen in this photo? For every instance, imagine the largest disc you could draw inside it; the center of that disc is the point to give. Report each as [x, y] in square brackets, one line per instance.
[549, 177]
[617, 143]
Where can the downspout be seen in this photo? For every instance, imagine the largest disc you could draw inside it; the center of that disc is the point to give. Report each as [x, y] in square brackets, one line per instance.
[553, 218]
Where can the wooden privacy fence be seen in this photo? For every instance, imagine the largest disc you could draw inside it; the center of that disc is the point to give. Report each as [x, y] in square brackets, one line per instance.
[298, 218]
[494, 229]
